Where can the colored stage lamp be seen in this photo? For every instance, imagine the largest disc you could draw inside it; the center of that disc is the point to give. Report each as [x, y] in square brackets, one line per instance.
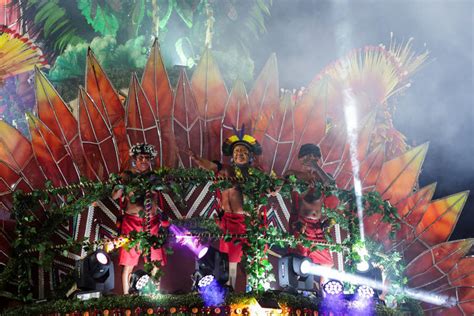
[138, 280]
[333, 287]
[362, 266]
[293, 273]
[365, 292]
[211, 262]
[203, 252]
[373, 273]
[95, 272]
[205, 281]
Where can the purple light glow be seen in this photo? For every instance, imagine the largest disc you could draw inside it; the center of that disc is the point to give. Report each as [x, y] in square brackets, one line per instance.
[213, 294]
[183, 237]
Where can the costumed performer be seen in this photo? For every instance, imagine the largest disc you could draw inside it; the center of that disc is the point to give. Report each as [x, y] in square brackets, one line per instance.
[306, 218]
[141, 166]
[242, 148]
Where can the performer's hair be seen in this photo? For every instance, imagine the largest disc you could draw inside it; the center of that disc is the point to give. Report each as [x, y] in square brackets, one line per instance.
[309, 149]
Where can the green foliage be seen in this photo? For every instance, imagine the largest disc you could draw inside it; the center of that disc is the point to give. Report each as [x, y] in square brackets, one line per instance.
[184, 8]
[99, 17]
[53, 23]
[118, 60]
[58, 24]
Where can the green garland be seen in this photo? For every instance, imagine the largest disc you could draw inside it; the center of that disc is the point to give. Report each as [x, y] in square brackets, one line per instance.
[60, 204]
[179, 304]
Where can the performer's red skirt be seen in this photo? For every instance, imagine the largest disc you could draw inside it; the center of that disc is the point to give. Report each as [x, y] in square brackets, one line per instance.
[232, 224]
[134, 223]
[314, 233]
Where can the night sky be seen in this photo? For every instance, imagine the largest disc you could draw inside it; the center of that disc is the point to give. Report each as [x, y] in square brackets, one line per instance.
[438, 107]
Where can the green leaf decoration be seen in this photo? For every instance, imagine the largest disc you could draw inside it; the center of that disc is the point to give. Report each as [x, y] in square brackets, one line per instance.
[165, 14]
[99, 17]
[185, 10]
[137, 14]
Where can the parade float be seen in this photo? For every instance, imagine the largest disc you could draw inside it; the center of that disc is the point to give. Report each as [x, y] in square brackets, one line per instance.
[57, 184]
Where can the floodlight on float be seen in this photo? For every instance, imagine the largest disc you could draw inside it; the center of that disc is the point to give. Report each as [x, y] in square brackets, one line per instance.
[293, 273]
[362, 266]
[205, 280]
[138, 280]
[211, 262]
[365, 292]
[203, 252]
[95, 272]
[333, 287]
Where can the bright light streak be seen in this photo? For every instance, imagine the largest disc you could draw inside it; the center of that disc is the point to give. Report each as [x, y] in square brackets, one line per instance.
[343, 32]
[350, 114]
[329, 273]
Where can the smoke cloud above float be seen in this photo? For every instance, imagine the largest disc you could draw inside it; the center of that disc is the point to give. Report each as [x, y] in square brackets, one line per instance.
[437, 108]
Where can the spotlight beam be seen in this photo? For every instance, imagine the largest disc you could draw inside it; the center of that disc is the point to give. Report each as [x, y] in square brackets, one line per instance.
[191, 242]
[315, 269]
[350, 115]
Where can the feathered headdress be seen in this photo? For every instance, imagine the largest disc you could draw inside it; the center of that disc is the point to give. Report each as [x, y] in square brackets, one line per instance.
[240, 138]
[142, 149]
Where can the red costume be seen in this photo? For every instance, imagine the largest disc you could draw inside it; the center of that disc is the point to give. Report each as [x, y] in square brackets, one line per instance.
[232, 224]
[312, 230]
[134, 223]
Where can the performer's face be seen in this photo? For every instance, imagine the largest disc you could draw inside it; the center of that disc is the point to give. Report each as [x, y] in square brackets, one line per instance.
[308, 161]
[241, 155]
[143, 163]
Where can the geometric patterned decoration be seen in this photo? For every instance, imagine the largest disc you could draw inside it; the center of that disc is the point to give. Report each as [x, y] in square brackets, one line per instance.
[199, 112]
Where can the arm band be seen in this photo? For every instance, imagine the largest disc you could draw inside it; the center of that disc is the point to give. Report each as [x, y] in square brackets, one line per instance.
[219, 165]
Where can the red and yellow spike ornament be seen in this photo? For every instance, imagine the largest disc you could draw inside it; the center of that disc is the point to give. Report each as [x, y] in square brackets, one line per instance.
[17, 54]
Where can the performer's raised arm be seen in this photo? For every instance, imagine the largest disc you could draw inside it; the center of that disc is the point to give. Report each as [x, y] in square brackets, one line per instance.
[201, 162]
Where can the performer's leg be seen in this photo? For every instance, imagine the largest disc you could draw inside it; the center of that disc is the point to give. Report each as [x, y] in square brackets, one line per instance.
[154, 271]
[126, 273]
[232, 274]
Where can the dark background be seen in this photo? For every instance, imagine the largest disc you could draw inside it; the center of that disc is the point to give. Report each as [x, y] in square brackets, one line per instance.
[438, 107]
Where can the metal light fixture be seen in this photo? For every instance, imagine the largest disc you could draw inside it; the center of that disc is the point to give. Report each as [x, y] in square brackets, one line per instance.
[333, 288]
[138, 280]
[293, 273]
[95, 272]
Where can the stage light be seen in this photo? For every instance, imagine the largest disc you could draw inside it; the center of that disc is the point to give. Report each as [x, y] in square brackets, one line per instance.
[293, 273]
[95, 272]
[205, 281]
[202, 252]
[102, 258]
[212, 262]
[138, 280]
[185, 238]
[333, 287]
[365, 292]
[424, 296]
[362, 266]
[305, 266]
